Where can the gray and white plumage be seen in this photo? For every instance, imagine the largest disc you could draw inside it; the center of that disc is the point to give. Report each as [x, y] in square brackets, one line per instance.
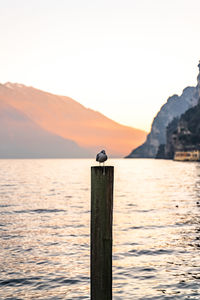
[101, 157]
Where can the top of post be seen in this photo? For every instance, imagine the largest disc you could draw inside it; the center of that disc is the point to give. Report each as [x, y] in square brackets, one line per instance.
[99, 170]
[102, 169]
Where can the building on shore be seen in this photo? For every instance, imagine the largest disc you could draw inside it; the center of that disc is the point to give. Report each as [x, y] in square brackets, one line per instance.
[193, 155]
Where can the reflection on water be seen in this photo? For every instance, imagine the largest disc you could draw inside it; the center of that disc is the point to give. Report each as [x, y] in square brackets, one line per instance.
[44, 229]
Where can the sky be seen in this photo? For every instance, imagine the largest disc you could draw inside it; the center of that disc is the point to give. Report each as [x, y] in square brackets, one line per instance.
[123, 58]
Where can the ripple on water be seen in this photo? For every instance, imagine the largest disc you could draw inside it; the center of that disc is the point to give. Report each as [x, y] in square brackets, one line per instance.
[45, 221]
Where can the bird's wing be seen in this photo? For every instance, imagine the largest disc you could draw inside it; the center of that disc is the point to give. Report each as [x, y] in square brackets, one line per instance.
[97, 157]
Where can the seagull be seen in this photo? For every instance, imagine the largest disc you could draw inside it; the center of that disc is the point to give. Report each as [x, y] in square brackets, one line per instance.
[101, 157]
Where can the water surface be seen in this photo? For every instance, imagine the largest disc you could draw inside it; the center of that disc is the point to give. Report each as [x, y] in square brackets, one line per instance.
[44, 229]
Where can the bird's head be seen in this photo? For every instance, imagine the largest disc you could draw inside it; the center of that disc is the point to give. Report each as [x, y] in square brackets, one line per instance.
[103, 151]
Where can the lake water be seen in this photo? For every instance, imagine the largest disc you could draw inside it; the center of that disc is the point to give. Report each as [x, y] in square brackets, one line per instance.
[44, 229]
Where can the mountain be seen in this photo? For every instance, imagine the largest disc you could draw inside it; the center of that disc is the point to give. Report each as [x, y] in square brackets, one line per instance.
[33, 121]
[21, 138]
[185, 135]
[173, 108]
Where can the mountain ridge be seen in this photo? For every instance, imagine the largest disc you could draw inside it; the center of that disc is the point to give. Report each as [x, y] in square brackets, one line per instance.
[174, 107]
[183, 134]
[22, 138]
[70, 120]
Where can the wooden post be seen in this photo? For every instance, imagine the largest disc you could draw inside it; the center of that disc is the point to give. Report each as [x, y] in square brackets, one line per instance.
[101, 232]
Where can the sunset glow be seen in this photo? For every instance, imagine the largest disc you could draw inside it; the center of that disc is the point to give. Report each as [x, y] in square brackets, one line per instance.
[67, 119]
[122, 58]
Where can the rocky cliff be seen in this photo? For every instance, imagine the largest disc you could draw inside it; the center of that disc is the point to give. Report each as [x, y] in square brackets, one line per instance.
[183, 134]
[173, 108]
